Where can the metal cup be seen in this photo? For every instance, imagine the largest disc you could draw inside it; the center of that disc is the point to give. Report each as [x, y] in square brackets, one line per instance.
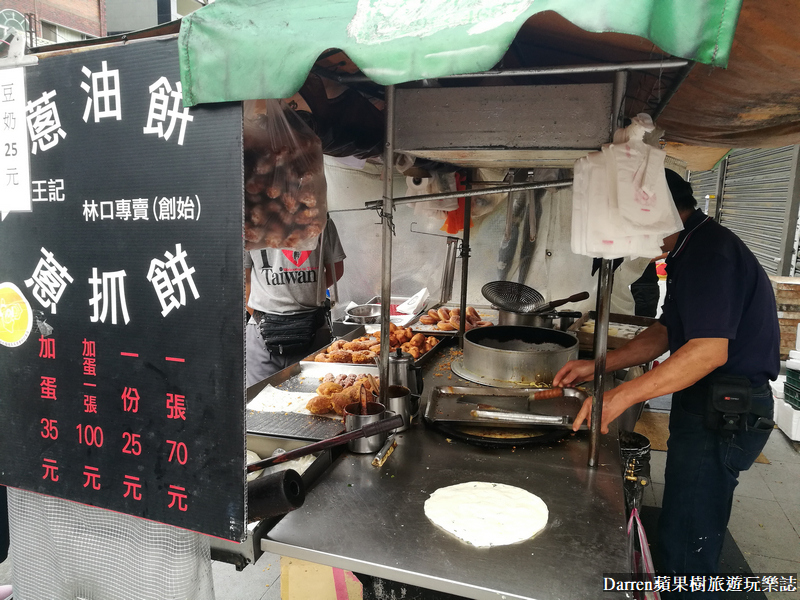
[353, 419]
[398, 399]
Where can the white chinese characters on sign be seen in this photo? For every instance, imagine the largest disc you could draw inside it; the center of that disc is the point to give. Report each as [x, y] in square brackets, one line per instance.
[103, 94]
[172, 208]
[49, 280]
[48, 190]
[44, 124]
[106, 291]
[168, 278]
[160, 93]
[14, 166]
[176, 208]
[124, 210]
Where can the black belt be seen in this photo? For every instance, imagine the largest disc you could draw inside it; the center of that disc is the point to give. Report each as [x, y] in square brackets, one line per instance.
[321, 312]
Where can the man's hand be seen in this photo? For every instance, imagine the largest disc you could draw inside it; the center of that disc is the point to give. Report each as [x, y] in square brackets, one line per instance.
[691, 362]
[575, 371]
[611, 410]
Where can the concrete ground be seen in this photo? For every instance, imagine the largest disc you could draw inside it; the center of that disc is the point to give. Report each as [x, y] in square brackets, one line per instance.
[765, 519]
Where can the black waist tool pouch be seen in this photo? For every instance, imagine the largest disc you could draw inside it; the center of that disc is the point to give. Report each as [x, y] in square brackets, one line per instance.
[285, 334]
[727, 404]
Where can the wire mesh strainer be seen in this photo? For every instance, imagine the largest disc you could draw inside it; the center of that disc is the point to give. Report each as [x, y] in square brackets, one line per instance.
[511, 296]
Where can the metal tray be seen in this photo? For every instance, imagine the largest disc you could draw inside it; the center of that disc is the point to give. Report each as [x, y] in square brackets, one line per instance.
[306, 376]
[487, 313]
[421, 361]
[396, 318]
[452, 406]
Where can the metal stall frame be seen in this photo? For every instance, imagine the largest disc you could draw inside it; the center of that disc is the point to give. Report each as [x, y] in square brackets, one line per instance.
[605, 281]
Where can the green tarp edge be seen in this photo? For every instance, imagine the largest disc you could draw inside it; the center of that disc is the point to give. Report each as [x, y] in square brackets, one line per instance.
[244, 49]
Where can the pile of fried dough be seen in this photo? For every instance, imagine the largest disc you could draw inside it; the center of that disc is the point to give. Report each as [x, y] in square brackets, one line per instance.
[333, 397]
[365, 349]
[448, 319]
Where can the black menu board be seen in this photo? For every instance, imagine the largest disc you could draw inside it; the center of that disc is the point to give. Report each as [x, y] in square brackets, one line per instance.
[121, 292]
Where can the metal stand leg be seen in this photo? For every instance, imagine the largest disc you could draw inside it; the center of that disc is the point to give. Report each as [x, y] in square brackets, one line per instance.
[388, 229]
[604, 284]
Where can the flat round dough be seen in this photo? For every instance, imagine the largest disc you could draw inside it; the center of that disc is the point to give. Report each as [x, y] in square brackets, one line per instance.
[487, 514]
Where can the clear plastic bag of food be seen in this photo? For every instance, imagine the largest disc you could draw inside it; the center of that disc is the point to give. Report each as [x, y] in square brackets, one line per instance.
[285, 201]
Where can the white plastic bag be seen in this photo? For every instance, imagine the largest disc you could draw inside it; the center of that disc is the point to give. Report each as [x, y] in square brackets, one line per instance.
[437, 183]
[621, 202]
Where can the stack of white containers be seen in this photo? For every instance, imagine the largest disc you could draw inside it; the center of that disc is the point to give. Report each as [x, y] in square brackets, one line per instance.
[621, 205]
[786, 391]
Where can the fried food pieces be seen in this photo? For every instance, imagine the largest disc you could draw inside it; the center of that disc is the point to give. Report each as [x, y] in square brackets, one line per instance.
[365, 350]
[337, 396]
[448, 319]
[328, 388]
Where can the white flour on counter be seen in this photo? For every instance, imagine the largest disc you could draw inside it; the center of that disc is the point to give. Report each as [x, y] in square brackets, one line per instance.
[487, 514]
[272, 399]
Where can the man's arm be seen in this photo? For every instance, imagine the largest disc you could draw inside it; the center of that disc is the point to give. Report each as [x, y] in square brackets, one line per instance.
[690, 363]
[646, 346]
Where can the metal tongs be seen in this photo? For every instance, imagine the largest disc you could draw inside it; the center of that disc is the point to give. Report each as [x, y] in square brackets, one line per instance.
[486, 411]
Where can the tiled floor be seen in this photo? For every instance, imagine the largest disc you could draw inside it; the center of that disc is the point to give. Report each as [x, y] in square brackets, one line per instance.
[765, 520]
[260, 581]
[765, 523]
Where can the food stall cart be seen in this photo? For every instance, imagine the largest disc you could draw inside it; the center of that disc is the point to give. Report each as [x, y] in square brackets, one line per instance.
[591, 526]
[383, 533]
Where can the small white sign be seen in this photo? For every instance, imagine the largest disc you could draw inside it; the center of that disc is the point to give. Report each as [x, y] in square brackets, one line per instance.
[15, 171]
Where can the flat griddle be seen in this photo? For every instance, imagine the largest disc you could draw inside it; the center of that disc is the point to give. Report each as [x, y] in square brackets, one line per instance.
[449, 411]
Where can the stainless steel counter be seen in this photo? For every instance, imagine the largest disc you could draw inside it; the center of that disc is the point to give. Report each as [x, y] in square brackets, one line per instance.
[371, 520]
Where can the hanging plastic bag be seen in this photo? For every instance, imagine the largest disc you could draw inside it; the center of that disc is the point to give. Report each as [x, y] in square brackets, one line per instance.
[437, 183]
[621, 203]
[641, 559]
[284, 179]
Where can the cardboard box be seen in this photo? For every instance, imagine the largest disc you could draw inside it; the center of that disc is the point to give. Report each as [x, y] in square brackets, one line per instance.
[302, 580]
[586, 338]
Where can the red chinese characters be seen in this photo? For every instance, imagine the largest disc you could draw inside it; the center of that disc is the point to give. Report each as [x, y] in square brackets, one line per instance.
[48, 387]
[47, 347]
[89, 358]
[130, 400]
[178, 495]
[50, 467]
[132, 487]
[89, 404]
[92, 477]
[176, 406]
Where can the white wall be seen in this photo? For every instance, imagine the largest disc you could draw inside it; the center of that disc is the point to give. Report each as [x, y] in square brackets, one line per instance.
[417, 259]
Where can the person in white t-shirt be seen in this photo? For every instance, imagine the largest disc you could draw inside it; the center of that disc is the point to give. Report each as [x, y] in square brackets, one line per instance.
[287, 303]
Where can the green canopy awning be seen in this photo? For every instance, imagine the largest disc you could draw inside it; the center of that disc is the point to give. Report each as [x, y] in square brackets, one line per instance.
[246, 49]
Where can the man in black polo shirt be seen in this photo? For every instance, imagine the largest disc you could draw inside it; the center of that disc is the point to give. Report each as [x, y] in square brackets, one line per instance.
[719, 320]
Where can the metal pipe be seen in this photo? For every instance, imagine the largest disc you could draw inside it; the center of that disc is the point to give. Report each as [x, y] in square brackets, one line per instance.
[618, 106]
[448, 272]
[604, 283]
[679, 79]
[588, 68]
[520, 187]
[723, 169]
[387, 219]
[462, 317]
